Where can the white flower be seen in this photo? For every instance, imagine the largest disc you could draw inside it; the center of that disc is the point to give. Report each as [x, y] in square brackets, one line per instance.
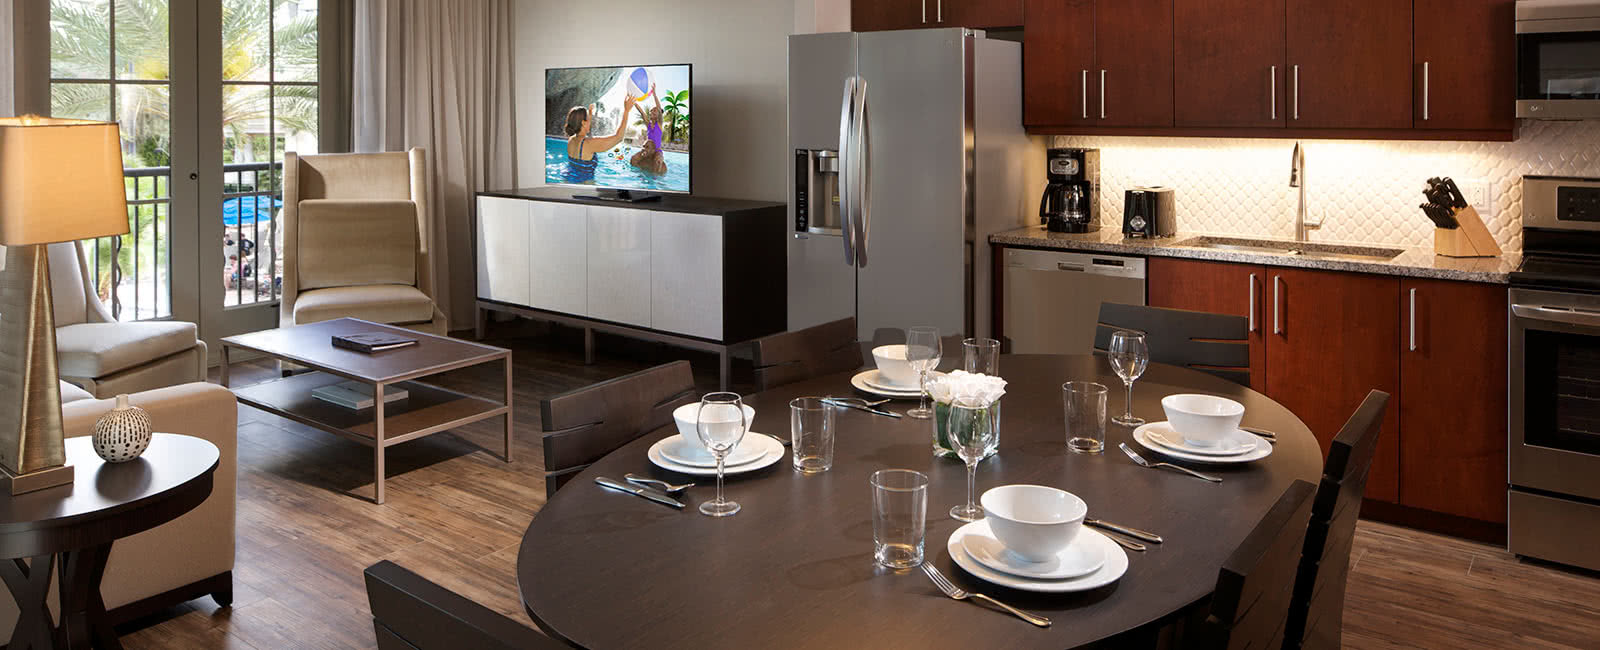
[967, 386]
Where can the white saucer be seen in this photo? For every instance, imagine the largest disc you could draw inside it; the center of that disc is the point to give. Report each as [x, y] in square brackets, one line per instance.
[1116, 564]
[1080, 558]
[1262, 450]
[859, 381]
[880, 381]
[1241, 442]
[771, 452]
[682, 452]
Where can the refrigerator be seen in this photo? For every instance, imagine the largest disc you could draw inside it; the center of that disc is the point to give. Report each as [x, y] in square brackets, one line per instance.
[907, 151]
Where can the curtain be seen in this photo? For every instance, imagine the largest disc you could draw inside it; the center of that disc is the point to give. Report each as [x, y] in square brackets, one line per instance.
[436, 74]
[7, 62]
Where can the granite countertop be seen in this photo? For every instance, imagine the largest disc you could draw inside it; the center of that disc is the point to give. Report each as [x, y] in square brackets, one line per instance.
[1416, 262]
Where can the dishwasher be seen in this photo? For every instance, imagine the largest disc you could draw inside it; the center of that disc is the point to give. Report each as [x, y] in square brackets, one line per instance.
[1052, 299]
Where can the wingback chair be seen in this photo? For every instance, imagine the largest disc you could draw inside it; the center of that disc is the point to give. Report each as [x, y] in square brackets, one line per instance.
[105, 357]
[356, 240]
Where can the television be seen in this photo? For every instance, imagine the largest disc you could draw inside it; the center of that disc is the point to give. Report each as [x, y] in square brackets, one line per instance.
[590, 142]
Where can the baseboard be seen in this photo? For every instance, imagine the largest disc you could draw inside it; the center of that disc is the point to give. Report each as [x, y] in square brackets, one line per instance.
[221, 583]
[1487, 532]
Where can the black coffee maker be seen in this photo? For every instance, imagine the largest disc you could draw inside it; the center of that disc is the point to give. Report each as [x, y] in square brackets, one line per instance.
[1069, 203]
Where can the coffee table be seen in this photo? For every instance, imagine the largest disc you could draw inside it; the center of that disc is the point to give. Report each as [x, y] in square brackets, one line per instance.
[427, 410]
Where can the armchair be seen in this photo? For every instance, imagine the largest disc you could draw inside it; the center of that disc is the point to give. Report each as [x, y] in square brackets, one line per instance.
[356, 240]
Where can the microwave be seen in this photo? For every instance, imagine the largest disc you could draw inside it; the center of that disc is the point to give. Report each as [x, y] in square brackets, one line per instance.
[1558, 59]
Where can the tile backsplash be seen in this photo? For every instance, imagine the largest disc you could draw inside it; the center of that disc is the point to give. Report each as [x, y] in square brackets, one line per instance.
[1364, 191]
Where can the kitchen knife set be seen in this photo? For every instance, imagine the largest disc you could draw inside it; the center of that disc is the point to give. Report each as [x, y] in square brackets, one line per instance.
[1460, 231]
[1444, 199]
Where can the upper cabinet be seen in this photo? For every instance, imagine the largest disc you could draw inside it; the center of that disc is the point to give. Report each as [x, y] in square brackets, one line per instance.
[1230, 60]
[1465, 63]
[1097, 63]
[1057, 55]
[879, 15]
[1350, 64]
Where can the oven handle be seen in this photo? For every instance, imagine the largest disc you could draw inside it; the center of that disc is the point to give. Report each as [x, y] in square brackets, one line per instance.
[1557, 315]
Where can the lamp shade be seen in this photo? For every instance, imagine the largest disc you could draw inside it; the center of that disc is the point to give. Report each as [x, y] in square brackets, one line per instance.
[60, 180]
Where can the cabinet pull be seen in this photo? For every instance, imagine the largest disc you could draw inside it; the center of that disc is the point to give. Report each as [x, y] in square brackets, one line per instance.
[1413, 319]
[1277, 304]
[1425, 116]
[1252, 302]
[940, 8]
[1102, 94]
[1296, 92]
[1272, 98]
[924, 12]
[1085, 94]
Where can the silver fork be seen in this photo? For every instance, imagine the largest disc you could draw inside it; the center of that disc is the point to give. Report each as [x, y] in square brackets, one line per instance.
[861, 401]
[958, 593]
[1145, 463]
[665, 486]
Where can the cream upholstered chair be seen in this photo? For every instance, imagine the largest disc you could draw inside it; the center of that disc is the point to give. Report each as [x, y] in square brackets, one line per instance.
[355, 241]
[106, 357]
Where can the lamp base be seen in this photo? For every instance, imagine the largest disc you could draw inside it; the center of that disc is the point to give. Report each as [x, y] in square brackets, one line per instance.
[34, 481]
[31, 445]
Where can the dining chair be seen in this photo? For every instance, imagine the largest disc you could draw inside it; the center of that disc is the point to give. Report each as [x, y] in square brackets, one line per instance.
[1215, 343]
[1250, 606]
[583, 425]
[802, 354]
[1316, 617]
[409, 612]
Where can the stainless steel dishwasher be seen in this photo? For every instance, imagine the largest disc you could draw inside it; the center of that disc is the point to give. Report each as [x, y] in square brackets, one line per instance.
[1052, 299]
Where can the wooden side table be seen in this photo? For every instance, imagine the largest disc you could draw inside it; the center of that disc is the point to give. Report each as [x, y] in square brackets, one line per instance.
[69, 529]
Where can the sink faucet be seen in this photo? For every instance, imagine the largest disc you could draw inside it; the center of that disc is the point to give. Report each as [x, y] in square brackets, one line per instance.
[1297, 179]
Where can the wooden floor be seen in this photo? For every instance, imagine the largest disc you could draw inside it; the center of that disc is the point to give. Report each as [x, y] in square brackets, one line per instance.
[455, 513]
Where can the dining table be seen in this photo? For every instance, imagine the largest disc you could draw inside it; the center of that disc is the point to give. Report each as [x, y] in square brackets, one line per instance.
[794, 568]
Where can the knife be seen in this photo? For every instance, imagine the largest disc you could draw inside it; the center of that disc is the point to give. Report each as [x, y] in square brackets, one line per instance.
[1131, 532]
[653, 495]
[859, 407]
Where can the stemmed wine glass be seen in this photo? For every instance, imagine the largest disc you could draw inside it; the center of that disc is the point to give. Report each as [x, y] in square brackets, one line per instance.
[972, 431]
[721, 424]
[923, 349]
[1129, 355]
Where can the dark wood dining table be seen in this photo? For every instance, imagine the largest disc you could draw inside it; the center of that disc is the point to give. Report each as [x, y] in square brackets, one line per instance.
[794, 568]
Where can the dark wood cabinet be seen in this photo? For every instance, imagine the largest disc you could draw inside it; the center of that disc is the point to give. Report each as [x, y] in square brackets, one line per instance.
[1452, 398]
[1057, 56]
[1229, 62]
[982, 14]
[1219, 288]
[1133, 60]
[880, 15]
[1350, 63]
[1465, 56]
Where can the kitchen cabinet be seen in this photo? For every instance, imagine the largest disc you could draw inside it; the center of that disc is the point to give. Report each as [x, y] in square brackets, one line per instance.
[1057, 54]
[1219, 288]
[879, 15]
[1103, 63]
[1465, 58]
[982, 14]
[1229, 63]
[1452, 399]
[1350, 63]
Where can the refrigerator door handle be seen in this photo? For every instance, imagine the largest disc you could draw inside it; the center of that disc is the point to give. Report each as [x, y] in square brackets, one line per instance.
[863, 188]
[847, 157]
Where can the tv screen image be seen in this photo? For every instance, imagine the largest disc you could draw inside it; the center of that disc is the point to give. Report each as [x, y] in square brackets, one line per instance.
[590, 141]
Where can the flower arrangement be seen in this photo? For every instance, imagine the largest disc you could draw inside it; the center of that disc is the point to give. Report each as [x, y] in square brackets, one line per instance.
[968, 387]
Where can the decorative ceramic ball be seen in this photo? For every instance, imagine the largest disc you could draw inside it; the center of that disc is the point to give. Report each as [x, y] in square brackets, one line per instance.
[123, 433]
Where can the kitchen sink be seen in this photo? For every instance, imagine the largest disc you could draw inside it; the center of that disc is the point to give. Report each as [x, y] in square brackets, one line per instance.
[1300, 249]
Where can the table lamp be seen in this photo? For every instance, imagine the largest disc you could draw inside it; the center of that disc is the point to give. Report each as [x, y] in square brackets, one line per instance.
[60, 180]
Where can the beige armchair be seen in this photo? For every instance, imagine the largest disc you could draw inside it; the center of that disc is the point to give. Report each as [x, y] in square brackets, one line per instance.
[106, 357]
[356, 240]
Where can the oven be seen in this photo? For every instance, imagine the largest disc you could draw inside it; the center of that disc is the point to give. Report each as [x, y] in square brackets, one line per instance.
[1558, 59]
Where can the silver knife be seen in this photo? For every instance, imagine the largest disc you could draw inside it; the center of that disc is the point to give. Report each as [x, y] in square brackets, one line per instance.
[653, 495]
[1131, 532]
[860, 407]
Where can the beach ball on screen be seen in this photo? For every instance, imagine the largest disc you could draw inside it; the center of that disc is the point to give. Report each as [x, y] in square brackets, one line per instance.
[639, 84]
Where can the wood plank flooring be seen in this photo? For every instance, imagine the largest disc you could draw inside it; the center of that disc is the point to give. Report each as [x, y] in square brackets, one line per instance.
[455, 514]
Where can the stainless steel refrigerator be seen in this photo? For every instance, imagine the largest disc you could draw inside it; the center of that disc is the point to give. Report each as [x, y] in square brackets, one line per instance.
[907, 151]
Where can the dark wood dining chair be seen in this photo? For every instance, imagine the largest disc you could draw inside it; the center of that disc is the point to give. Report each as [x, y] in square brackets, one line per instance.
[410, 612]
[1250, 606]
[802, 354]
[1215, 343]
[583, 425]
[1316, 619]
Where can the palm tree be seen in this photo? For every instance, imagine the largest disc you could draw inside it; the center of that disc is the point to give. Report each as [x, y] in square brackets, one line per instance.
[675, 106]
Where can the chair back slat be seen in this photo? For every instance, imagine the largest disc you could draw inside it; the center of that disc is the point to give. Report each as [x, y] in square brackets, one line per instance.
[1317, 616]
[583, 425]
[411, 613]
[802, 354]
[1215, 343]
[1250, 607]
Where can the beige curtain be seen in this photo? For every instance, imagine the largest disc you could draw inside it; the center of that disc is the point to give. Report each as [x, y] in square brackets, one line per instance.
[6, 61]
[437, 74]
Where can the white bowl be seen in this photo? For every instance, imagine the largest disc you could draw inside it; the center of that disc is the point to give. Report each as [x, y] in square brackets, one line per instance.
[892, 364]
[1202, 420]
[1035, 522]
[685, 417]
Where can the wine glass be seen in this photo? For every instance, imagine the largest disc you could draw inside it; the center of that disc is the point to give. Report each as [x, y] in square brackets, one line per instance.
[923, 349]
[721, 424]
[971, 428]
[1129, 355]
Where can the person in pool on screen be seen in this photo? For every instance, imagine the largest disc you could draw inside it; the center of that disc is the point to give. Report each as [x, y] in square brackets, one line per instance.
[581, 148]
[650, 158]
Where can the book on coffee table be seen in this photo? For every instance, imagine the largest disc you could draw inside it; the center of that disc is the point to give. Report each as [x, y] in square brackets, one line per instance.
[356, 395]
[370, 342]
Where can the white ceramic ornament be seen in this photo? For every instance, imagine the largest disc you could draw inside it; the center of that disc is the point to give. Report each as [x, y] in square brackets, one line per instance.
[123, 433]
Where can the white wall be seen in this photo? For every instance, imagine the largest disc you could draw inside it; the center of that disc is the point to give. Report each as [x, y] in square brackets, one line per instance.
[739, 49]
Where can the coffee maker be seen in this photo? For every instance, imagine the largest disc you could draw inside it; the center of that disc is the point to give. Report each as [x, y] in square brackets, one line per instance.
[1070, 203]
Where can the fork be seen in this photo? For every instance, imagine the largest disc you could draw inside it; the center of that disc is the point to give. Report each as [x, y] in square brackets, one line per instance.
[1145, 463]
[958, 593]
[665, 486]
[861, 401]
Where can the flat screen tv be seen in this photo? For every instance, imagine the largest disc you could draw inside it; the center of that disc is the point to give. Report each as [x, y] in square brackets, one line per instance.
[623, 128]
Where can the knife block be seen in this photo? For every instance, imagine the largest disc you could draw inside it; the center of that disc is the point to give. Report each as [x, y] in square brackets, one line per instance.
[1470, 238]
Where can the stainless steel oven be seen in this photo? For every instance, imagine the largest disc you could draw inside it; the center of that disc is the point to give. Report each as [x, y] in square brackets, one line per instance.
[1558, 59]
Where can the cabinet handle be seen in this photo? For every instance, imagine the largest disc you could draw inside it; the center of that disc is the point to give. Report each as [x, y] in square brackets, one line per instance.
[1277, 304]
[1425, 116]
[1296, 92]
[924, 12]
[1102, 94]
[1413, 319]
[940, 8]
[1272, 98]
[1252, 302]
[1086, 94]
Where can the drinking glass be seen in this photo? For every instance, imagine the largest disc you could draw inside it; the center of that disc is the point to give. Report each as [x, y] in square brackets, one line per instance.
[811, 432]
[1129, 355]
[899, 517]
[721, 424]
[981, 356]
[923, 349]
[971, 428]
[1085, 404]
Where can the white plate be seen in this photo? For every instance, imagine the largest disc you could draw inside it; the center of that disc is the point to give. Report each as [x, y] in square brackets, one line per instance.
[860, 382]
[682, 452]
[1240, 442]
[1262, 450]
[1082, 557]
[880, 381]
[1116, 564]
[772, 452]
